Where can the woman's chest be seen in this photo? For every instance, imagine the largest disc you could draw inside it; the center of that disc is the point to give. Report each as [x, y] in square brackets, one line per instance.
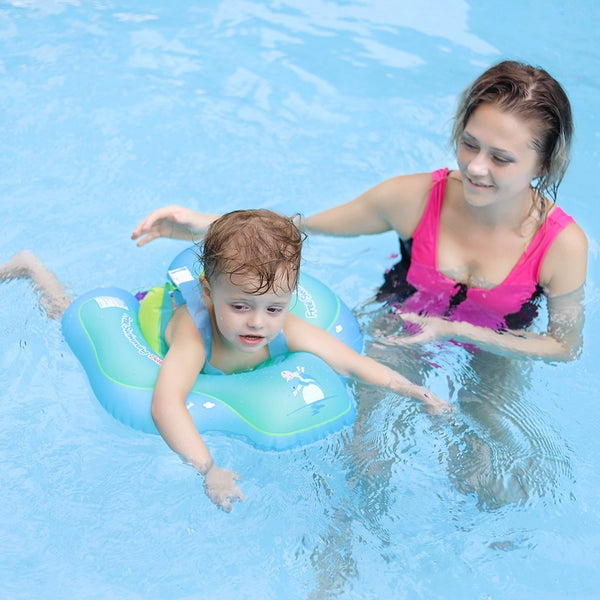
[477, 257]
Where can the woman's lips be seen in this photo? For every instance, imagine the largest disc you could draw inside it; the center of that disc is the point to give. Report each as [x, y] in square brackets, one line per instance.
[479, 185]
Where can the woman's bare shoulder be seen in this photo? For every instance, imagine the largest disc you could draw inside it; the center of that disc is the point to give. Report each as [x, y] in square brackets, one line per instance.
[405, 199]
[565, 264]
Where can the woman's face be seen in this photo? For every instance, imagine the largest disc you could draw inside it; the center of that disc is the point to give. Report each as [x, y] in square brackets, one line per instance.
[496, 158]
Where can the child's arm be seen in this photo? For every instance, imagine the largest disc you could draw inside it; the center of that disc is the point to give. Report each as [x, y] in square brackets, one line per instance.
[303, 336]
[54, 298]
[176, 377]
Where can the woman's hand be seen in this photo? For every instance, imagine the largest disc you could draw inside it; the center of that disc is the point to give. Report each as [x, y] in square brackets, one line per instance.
[221, 487]
[430, 329]
[176, 222]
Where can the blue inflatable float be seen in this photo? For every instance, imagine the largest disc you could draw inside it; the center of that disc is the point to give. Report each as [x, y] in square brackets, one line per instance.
[291, 400]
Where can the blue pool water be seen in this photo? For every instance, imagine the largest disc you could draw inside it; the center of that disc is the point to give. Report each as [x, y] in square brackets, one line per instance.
[110, 109]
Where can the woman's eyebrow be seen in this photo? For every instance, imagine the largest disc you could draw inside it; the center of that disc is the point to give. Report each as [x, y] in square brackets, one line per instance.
[469, 138]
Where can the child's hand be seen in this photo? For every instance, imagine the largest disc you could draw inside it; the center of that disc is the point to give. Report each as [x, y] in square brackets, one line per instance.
[221, 487]
[434, 405]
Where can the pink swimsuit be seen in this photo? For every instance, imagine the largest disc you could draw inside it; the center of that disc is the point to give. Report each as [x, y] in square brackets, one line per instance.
[416, 284]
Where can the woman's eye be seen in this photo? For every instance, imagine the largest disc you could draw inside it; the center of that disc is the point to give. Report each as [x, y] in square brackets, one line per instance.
[500, 160]
[469, 145]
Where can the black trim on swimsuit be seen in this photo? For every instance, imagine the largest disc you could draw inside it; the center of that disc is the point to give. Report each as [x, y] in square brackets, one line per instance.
[395, 289]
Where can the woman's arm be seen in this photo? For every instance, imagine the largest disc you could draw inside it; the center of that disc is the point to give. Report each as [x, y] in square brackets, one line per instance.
[174, 222]
[549, 345]
[176, 377]
[395, 204]
[305, 337]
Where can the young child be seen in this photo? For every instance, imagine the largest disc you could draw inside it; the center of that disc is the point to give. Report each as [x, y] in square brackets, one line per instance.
[251, 262]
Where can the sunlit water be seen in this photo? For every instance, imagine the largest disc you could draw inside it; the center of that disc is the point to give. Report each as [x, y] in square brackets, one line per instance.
[110, 109]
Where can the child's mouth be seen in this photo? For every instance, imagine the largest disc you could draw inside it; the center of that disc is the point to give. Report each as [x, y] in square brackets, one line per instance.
[252, 340]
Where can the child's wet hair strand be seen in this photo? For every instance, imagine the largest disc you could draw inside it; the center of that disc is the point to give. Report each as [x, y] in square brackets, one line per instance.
[259, 244]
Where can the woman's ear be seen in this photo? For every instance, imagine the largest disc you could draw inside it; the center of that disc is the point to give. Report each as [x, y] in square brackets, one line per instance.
[542, 170]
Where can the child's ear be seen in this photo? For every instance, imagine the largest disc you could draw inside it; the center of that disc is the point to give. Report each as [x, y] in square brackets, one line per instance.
[205, 287]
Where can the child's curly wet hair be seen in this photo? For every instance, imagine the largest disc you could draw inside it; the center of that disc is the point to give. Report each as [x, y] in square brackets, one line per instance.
[259, 244]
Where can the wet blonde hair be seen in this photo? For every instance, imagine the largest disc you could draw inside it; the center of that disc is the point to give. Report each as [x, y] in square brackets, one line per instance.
[531, 94]
[259, 244]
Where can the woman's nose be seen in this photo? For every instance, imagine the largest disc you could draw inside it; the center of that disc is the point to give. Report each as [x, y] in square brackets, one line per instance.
[478, 165]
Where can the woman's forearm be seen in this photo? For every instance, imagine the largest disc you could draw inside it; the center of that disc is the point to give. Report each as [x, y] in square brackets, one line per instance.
[556, 344]
[176, 222]
[345, 220]
[367, 214]
[516, 342]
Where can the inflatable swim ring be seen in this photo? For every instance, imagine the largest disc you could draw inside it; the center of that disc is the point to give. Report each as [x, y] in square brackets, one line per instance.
[287, 401]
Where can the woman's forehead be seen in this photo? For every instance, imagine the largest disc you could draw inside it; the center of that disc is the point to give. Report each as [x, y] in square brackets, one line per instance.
[500, 129]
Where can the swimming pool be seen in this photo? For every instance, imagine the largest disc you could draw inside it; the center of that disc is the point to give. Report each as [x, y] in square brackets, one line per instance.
[111, 109]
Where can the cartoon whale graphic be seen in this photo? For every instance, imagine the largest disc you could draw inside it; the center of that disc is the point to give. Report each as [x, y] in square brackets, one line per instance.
[302, 384]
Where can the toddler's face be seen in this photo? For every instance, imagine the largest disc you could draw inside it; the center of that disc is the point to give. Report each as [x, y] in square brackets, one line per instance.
[245, 320]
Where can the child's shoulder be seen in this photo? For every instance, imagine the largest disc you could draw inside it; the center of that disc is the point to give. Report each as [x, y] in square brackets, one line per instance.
[182, 329]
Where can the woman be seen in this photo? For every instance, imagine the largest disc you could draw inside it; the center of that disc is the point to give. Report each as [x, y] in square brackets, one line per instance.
[482, 244]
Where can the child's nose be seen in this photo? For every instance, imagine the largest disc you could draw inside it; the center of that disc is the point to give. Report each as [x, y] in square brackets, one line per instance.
[255, 320]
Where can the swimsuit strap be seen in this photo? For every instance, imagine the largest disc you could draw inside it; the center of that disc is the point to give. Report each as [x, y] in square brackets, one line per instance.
[529, 266]
[425, 237]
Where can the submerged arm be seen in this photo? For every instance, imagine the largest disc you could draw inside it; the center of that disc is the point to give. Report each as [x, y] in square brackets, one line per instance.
[177, 375]
[304, 337]
[562, 341]
[54, 298]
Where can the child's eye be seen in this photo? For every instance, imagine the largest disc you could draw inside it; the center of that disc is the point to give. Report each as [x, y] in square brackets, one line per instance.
[274, 309]
[239, 307]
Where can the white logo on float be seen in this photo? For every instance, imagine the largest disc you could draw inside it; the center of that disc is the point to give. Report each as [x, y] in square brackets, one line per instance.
[110, 302]
[181, 275]
[126, 327]
[309, 303]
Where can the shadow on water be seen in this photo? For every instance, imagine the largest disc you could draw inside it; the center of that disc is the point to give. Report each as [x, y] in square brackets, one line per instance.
[506, 450]
[499, 449]
[502, 448]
